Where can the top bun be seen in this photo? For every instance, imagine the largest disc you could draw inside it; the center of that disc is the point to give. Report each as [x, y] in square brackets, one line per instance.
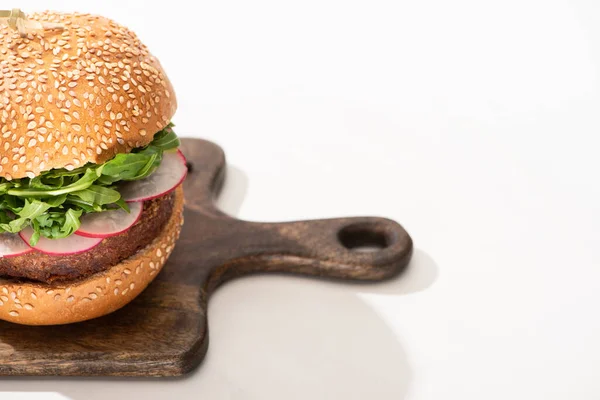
[79, 94]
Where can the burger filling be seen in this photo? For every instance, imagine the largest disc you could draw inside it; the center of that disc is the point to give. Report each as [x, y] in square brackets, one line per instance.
[53, 203]
[43, 219]
[112, 250]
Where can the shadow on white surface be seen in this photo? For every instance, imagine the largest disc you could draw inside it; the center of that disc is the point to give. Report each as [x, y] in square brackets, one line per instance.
[278, 337]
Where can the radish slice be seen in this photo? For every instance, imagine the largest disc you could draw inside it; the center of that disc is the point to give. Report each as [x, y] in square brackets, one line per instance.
[70, 245]
[12, 245]
[170, 173]
[109, 223]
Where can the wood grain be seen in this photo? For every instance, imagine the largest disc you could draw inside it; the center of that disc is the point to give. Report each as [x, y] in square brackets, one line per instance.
[164, 331]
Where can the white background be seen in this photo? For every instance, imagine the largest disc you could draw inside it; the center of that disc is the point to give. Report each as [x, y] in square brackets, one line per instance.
[473, 123]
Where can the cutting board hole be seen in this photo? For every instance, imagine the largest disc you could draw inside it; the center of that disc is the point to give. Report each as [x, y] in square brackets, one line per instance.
[190, 166]
[364, 238]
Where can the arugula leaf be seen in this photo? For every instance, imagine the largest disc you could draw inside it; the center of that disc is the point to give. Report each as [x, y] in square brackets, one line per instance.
[56, 201]
[80, 184]
[97, 194]
[166, 140]
[122, 205]
[61, 173]
[84, 205]
[151, 165]
[4, 187]
[36, 234]
[72, 222]
[33, 209]
[30, 211]
[125, 166]
[53, 202]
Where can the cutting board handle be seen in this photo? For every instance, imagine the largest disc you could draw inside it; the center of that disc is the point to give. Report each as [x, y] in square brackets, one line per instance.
[365, 248]
[362, 248]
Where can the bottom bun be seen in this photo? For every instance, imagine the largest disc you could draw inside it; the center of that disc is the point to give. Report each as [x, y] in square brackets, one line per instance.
[34, 303]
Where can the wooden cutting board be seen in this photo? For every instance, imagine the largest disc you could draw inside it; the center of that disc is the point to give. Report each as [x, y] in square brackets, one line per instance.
[164, 331]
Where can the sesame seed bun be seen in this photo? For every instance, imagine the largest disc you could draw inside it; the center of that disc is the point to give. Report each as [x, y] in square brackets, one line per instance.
[32, 303]
[76, 95]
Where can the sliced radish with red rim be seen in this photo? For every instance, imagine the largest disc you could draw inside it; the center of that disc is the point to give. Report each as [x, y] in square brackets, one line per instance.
[12, 245]
[109, 223]
[169, 174]
[73, 244]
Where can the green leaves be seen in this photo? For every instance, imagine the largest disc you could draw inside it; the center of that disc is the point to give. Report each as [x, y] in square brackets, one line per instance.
[30, 211]
[56, 225]
[166, 139]
[99, 195]
[71, 223]
[53, 202]
[132, 166]
[81, 183]
[139, 163]
[33, 209]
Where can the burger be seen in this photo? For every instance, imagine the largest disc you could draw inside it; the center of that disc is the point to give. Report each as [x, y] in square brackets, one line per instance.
[90, 172]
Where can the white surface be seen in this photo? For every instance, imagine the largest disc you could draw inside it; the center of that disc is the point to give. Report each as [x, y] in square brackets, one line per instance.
[473, 123]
